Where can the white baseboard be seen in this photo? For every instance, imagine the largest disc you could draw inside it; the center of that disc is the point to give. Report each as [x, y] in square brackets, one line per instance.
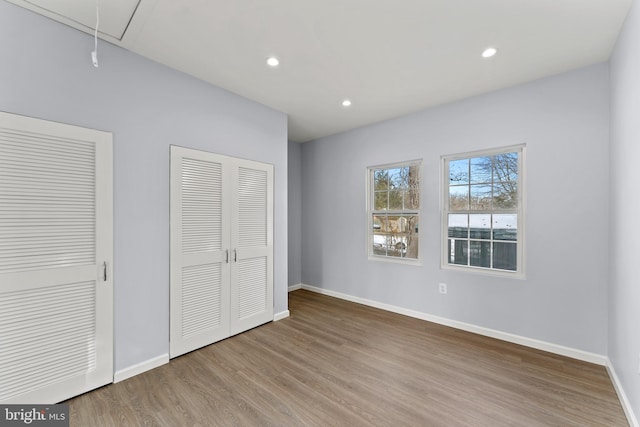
[281, 315]
[504, 336]
[624, 400]
[141, 367]
[295, 287]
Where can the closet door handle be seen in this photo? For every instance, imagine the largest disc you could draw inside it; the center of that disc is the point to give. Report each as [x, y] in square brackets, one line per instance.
[104, 271]
[227, 256]
[235, 256]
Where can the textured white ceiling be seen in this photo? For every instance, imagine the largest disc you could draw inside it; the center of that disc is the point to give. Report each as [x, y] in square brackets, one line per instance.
[389, 57]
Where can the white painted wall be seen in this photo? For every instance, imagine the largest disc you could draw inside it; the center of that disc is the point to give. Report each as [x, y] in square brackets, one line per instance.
[564, 120]
[46, 72]
[624, 292]
[295, 213]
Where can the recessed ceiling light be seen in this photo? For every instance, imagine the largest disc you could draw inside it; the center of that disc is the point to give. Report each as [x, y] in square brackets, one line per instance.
[272, 61]
[346, 103]
[489, 52]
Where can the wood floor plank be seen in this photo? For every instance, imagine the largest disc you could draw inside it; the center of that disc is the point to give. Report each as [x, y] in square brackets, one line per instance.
[337, 363]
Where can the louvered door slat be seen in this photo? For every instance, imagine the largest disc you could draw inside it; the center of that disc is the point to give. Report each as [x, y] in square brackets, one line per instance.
[56, 326]
[252, 207]
[252, 287]
[32, 310]
[201, 299]
[201, 205]
[49, 186]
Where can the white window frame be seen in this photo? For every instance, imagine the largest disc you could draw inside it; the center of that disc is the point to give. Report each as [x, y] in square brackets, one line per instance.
[370, 212]
[519, 273]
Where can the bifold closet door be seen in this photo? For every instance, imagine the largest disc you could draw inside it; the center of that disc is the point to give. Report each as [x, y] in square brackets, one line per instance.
[221, 247]
[200, 256]
[56, 250]
[252, 243]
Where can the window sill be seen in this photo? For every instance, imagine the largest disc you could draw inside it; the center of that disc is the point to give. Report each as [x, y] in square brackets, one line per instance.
[485, 271]
[406, 261]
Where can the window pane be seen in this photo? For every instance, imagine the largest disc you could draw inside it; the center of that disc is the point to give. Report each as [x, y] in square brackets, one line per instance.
[505, 167]
[480, 226]
[505, 195]
[379, 244]
[480, 170]
[397, 224]
[380, 236]
[381, 200]
[458, 251]
[377, 223]
[505, 256]
[385, 244]
[380, 179]
[395, 199]
[412, 199]
[458, 225]
[403, 224]
[404, 175]
[383, 221]
[409, 237]
[480, 197]
[480, 254]
[459, 198]
[396, 178]
[414, 176]
[505, 227]
[390, 224]
[459, 172]
[379, 250]
[396, 238]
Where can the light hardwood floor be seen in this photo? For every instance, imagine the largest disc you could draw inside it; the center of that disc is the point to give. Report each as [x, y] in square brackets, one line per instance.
[336, 363]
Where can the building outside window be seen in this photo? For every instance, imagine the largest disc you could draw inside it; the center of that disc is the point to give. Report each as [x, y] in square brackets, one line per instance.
[483, 211]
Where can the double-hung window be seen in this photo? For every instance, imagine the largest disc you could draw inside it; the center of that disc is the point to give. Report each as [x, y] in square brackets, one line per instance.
[482, 218]
[394, 210]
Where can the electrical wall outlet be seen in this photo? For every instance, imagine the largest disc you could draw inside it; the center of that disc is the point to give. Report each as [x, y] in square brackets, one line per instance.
[442, 288]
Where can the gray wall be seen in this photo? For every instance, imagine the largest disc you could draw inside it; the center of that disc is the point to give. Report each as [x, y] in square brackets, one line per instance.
[564, 120]
[46, 72]
[624, 293]
[295, 213]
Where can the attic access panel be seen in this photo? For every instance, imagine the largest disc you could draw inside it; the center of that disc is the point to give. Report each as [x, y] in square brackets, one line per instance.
[115, 15]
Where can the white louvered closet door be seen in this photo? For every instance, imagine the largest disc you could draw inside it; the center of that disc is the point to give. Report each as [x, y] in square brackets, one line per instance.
[221, 247]
[56, 246]
[199, 250]
[252, 240]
